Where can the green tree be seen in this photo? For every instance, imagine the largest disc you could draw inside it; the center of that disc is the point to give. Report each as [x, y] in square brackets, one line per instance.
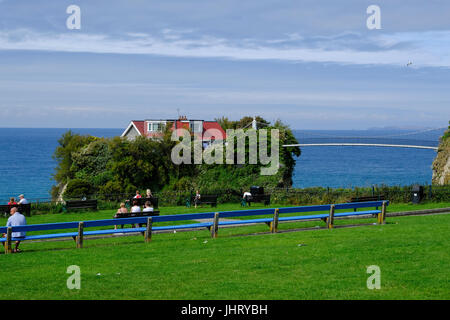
[117, 165]
[68, 144]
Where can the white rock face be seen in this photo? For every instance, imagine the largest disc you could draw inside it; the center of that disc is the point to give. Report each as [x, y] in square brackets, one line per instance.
[445, 174]
[441, 165]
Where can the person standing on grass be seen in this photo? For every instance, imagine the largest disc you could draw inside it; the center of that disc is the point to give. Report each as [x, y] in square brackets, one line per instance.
[197, 198]
[16, 219]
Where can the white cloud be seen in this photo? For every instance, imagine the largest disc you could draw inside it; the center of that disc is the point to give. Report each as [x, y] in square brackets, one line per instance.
[423, 48]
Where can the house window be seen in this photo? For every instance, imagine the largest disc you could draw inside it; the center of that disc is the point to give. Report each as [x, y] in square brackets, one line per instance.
[196, 126]
[155, 127]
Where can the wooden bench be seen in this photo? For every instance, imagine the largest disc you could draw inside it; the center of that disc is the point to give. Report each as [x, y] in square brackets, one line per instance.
[24, 209]
[368, 199]
[136, 214]
[328, 218]
[78, 236]
[80, 204]
[263, 198]
[142, 201]
[204, 199]
[212, 225]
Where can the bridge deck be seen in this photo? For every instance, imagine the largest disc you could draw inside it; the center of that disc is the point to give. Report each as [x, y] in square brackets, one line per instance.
[361, 144]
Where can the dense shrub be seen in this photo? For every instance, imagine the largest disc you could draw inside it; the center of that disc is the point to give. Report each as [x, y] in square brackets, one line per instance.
[108, 167]
[77, 188]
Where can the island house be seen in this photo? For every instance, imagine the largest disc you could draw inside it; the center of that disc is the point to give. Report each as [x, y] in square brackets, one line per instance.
[207, 131]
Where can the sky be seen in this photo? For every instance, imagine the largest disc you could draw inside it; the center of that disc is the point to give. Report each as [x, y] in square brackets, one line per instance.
[313, 64]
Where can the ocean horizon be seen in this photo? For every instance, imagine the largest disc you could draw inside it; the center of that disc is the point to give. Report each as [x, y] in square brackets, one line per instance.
[27, 166]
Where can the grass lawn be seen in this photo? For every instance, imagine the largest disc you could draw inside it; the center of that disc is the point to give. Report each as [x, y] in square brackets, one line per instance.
[413, 253]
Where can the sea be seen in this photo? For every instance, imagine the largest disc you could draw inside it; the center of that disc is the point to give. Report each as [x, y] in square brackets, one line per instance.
[27, 165]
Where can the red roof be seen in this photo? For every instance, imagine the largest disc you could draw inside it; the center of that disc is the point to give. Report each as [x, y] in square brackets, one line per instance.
[140, 125]
[214, 127]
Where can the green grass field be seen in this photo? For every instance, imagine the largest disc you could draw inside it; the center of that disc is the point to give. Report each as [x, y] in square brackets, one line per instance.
[412, 252]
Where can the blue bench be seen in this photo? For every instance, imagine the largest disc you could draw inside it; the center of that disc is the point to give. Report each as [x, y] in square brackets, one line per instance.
[212, 226]
[328, 218]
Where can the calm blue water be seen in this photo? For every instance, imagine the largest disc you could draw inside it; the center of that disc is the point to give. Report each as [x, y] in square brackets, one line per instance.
[351, 166]
[26, 165]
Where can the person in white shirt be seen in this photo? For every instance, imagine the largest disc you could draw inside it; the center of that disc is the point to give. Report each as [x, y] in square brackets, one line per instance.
[148, 207]
[23, 200]
[16, 219]
[135, 209]
[247, 197]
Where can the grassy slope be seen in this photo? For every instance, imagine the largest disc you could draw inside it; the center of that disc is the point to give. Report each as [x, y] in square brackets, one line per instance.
[412, 252]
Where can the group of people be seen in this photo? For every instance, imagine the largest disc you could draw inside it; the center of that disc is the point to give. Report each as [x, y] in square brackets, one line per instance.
[16, 219]
[13, 202]
[135, 208]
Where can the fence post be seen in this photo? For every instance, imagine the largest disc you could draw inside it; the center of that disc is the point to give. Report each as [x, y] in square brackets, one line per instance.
[383, 213]
[148, 231]
[330, 219]
[274, 224]
[8, 240]
[80, 235]
[215, 226]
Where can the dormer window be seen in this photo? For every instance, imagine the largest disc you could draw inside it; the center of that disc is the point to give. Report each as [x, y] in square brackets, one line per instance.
[196, 126]
[155, 126]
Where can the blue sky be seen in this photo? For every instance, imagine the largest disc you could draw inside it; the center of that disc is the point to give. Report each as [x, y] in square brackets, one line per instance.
[312, 64]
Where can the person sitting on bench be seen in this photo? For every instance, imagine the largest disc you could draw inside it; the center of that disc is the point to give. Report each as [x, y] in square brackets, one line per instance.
[12, 202]
[149, 194]
[138, 195]
[246, 194]
[16, 219]
[23, 200]
[136, 209]
[247, 197]
[148, 207]
[120, 211]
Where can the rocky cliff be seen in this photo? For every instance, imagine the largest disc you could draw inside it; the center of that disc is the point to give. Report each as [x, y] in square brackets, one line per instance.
[441, 165]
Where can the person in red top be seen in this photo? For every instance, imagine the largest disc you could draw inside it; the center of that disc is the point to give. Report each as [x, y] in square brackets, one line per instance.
[137, 196]
[12, 202]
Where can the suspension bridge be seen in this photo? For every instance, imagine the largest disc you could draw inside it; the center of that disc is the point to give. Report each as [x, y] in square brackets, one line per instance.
[422, 139]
